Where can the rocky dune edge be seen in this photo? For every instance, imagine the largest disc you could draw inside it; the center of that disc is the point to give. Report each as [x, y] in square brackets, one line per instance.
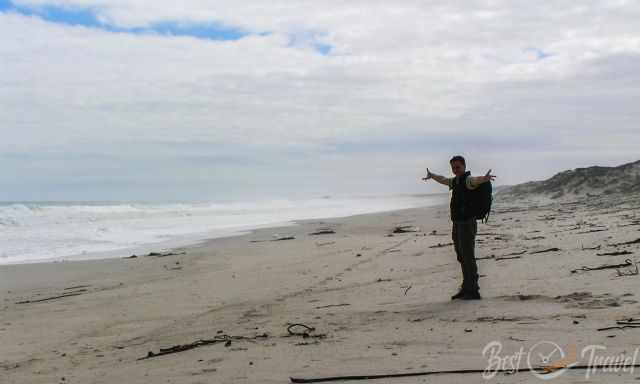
[580, 182]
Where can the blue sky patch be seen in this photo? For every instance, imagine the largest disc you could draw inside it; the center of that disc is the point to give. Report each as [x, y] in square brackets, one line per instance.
[540, 54]
[324, 49]
[86, 17]
[305, 39]
[5, 5]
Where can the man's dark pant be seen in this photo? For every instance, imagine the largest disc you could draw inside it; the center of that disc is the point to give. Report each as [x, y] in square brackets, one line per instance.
[464, 240]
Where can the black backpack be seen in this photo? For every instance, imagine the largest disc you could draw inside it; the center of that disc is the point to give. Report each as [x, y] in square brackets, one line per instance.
[481, 199]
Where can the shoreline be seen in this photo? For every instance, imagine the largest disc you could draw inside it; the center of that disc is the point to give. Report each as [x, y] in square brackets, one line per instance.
[8, 281]
[256, 219]
[188, 240]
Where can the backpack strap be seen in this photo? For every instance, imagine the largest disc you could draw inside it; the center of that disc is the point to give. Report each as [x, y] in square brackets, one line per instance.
[485, 219]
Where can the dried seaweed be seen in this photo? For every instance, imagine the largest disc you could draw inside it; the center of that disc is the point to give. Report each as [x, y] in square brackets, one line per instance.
[226, 339]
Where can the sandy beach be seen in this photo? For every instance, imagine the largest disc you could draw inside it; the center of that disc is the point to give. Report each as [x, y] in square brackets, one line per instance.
[378, 302]
[262, 192]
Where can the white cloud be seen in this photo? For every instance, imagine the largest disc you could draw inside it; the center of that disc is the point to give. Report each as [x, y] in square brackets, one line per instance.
[410, 69]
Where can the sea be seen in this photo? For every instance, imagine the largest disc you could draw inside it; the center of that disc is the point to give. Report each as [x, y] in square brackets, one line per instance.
[66, 231]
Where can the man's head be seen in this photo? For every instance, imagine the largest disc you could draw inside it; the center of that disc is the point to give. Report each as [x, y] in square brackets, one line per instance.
[458, 165]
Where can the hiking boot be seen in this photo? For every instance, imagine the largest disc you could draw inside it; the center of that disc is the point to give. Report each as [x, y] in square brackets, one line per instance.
[471, 296]
[461, 293]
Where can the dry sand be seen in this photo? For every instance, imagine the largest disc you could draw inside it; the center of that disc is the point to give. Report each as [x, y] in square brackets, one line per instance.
[381, 302]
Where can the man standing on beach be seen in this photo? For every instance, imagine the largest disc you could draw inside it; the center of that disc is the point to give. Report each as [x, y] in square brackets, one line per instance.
[464, 223]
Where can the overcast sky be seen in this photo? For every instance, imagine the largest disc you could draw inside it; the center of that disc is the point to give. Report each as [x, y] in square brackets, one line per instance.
[229, 99]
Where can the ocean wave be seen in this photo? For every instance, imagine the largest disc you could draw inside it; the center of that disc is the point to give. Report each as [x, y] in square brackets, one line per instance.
[37, 231]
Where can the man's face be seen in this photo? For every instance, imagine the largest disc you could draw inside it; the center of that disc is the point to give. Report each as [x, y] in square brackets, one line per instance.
[457, 168]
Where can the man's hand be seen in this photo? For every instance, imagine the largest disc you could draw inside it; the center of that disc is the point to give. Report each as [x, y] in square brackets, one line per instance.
[440, 179]
[429, 175]
[487, 177]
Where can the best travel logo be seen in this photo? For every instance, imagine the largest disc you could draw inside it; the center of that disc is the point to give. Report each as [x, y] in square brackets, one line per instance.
[547, 360]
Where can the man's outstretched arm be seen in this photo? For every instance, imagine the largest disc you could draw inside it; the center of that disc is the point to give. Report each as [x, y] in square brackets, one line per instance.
[440, 179]
[477, 180]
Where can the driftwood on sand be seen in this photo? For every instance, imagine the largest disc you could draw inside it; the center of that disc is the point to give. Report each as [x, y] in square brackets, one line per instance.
[281, 238]
[405, 229]
[284, 238]
[157, 254]
[616, 253]
[324, 231]
[545, 250]
[498, 258]
[333, 305]
[69, 294]
[636, 241]
[623, 324]
[627, 263]
[440, 245]
[540, 369]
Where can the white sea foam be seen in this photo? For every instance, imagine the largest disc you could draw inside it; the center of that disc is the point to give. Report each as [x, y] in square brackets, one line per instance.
[31, 232]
